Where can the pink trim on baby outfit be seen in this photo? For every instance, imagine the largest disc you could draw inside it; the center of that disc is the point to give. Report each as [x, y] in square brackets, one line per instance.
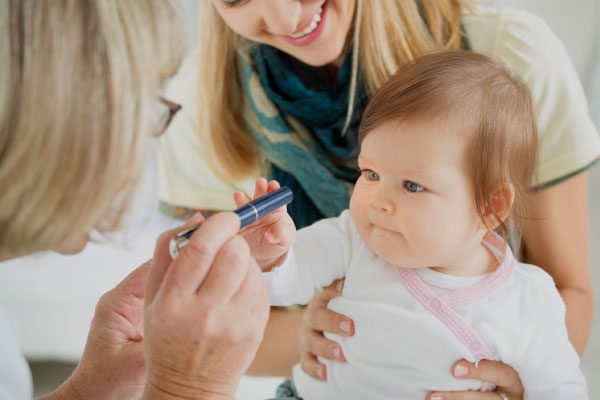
[507, 261]
[443, 306]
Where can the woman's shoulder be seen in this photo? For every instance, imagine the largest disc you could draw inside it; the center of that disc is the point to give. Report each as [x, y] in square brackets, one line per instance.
[185, 179]
[525, 44]
[181, 88]
[513, 36]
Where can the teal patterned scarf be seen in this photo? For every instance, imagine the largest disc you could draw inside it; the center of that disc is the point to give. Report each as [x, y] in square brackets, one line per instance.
[297, 113]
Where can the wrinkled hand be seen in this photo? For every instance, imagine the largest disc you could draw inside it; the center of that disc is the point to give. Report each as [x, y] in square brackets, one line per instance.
[503, 376]
[318, 319]
[205, 313]
[113, 365]
[271, 237]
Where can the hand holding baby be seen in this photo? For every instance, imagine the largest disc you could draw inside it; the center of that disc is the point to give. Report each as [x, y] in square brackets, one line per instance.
[271, 237]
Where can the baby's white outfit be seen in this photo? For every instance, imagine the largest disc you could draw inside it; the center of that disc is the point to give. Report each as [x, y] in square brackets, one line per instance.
[411, 325]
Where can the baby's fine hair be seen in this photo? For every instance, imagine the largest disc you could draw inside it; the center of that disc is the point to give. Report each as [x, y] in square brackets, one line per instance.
[493, 109]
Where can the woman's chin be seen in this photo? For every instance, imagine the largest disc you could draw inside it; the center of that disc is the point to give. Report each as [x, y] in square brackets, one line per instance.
[319, 54]
[72, 248]
[318, 58]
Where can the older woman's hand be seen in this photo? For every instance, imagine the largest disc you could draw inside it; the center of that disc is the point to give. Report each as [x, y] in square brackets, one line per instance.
[318, 319]
[113, 366]
[505, 378]
[205, 313]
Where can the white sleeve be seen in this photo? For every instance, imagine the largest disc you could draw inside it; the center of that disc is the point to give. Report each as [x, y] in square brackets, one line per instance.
[15, 378]
[549, 367]
[320, 255]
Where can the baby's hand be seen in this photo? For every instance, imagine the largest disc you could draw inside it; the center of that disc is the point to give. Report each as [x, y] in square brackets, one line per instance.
[269, 238]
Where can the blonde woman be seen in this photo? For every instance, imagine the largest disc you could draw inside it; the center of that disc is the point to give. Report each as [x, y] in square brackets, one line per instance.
[80, 98]
[280, 87]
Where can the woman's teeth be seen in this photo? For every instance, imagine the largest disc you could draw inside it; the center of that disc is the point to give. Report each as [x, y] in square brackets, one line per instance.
[313, 25]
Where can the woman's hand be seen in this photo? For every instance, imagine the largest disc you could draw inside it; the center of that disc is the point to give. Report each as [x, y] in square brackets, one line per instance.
[271, 237]
[113, 365]
[205, 313]
[318, 319]
[505, 378]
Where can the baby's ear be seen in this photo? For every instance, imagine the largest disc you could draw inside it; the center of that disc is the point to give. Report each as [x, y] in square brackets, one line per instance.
[499, 205]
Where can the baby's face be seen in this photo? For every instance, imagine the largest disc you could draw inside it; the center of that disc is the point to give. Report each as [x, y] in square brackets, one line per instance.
[413, 204]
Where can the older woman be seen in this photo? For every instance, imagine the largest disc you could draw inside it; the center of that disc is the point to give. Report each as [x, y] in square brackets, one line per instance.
[80, 97]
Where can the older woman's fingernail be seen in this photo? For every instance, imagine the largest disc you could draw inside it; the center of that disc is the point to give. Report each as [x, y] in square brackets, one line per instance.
[345, 326]
[437, 398]
[339, 286]
[321, 373]
[336, 353]
[191, 220]
[303, 341]
[460, 370]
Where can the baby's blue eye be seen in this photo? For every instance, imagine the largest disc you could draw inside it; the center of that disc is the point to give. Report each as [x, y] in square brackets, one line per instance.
[413, 187]
[370, 175]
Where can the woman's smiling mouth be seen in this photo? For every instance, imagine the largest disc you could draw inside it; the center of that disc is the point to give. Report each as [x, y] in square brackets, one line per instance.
[311, 30]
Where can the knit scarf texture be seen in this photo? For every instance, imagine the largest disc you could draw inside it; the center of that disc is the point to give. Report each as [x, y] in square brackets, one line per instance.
[297, 113]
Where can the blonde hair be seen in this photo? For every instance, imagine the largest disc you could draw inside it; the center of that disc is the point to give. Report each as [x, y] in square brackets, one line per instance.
[494, 111]
[78, 83]
[416, 27]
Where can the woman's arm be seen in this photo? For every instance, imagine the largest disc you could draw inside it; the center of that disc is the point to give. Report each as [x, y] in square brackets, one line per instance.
[296, 335]
[557, 239]
[279, 351]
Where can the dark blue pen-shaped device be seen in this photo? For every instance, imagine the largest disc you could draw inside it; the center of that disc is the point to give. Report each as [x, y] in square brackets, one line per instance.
[249, 213]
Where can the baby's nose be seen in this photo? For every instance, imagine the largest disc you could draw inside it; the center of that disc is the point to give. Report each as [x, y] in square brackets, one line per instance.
[383, 206]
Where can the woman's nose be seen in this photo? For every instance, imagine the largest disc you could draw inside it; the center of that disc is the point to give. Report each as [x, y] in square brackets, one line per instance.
[281, 17]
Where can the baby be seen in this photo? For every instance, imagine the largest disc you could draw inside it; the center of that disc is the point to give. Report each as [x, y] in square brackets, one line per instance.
[448, 151]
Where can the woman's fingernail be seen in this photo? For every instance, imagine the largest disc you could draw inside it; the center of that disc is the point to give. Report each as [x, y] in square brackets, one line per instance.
[345, 326]
[303, 342]
[437, 398]
[193, 221]
[339, 286]
[321, 373]
[336, 353]
[460, 370]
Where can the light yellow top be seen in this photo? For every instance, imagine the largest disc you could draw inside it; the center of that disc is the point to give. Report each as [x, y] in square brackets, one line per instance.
[185, 178]
[569, 141]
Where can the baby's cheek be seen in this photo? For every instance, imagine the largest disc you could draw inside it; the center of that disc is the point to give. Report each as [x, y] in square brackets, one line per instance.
[357, 210]
[390, 251]
[363, 229]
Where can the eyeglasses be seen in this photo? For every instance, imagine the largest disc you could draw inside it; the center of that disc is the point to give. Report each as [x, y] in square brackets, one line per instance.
[167, 117]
